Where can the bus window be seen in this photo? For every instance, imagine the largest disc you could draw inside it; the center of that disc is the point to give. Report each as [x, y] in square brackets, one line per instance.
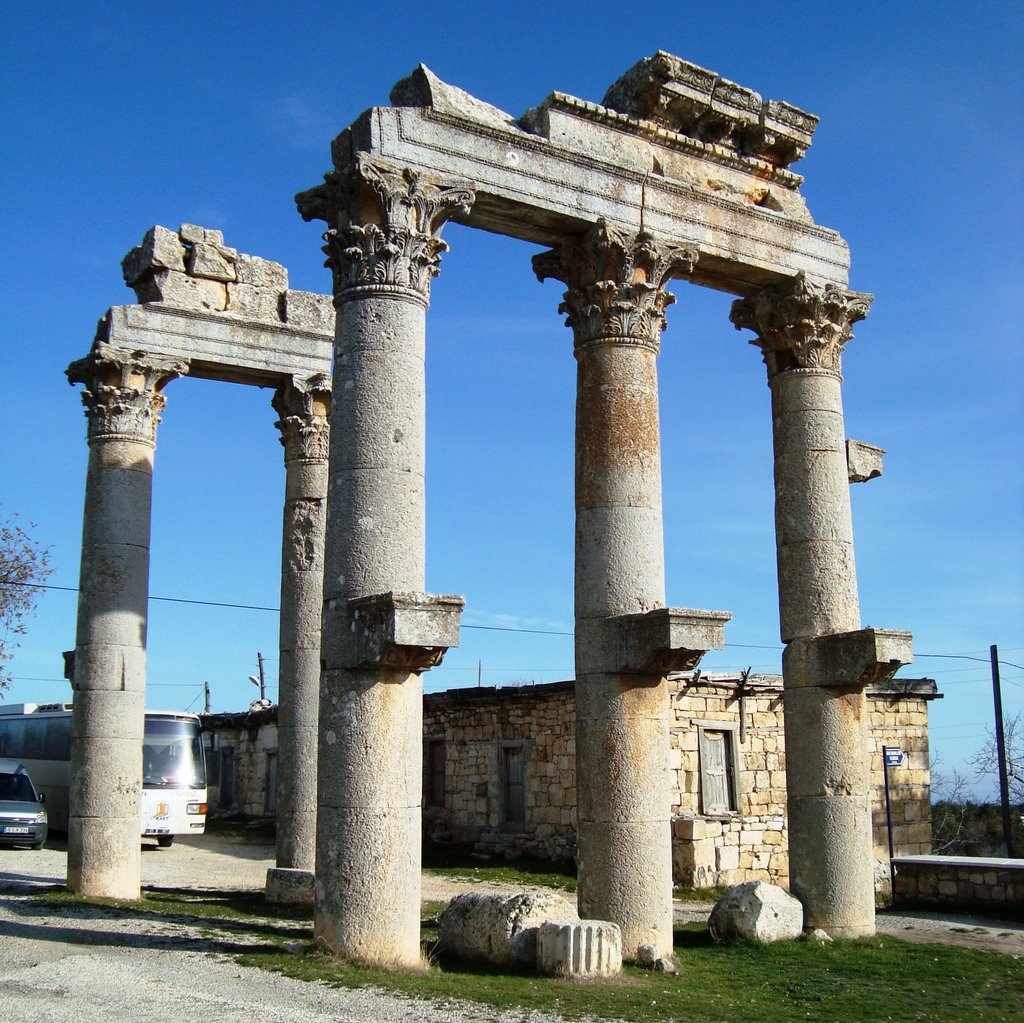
[12, 735]
[35, 739]
[172, 754]
[58, 739]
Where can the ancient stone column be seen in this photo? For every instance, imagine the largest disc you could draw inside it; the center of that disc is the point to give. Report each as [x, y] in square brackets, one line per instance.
[802, 328]
[380, 630]
[123, 401]
[615, 306]
[303, 407]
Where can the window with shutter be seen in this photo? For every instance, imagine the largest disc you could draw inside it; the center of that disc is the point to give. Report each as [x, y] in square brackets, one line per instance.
[513, 783]
[716, 771]
[436, 758]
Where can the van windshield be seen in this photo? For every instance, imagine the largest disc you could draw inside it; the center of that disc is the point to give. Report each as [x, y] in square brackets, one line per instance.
[172, 755]
[16, 788]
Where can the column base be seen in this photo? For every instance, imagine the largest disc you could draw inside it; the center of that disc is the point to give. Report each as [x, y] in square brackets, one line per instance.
[289, 886]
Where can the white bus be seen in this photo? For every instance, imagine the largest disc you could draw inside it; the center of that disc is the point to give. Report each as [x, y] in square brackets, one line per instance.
[173, 771]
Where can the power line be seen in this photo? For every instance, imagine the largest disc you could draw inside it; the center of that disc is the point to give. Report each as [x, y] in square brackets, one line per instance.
[491, 628]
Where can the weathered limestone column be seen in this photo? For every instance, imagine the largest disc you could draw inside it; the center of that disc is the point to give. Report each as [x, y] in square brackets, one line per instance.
[380, 630]
[123, 401]
[626, 639]
[303, 406]
[802, 328]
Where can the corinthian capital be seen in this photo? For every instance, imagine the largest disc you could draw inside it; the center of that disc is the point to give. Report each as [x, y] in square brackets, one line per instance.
[801, 324]
[616, 283]
[383, 226]
[303, 406]
[123, 391]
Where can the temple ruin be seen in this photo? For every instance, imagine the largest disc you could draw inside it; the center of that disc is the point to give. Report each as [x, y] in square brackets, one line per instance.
[676, 174]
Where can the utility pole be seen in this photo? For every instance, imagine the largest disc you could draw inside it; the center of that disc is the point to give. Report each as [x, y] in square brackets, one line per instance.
[263, 681]
[206, 692]
[1004, 786]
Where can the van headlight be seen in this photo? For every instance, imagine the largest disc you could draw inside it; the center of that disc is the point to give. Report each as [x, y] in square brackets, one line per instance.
[40, 817]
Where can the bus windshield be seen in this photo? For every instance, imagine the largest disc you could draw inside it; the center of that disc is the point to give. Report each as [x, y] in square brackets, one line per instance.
[172, 755]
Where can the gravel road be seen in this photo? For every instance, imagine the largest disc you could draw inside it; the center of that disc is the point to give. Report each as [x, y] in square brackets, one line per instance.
[88, 966]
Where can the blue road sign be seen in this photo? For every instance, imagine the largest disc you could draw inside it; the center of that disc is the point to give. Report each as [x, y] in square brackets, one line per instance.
[893, 756]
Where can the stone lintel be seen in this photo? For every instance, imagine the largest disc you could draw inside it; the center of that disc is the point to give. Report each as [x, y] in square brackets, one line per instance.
[667, 639]
[564, 167]
[410, 631]
[846, 660]
[221, 346]
[864, 461]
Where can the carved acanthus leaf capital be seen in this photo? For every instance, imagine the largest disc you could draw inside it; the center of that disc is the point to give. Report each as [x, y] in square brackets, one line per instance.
[304, 406]
[616, 283]
[123, 395]
[383, 225]
[801, 324]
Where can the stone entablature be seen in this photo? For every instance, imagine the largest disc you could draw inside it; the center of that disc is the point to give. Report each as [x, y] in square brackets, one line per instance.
[569, 163]
[193, 269]
[225, 315]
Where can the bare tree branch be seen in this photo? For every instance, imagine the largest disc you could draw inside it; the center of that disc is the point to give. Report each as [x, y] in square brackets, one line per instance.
[24, 566]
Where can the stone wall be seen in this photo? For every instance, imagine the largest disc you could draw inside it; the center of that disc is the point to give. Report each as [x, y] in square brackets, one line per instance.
[739, 835]
[744, 840]
[900, 718]
[482, 731]
[725, 829]
[993, 886]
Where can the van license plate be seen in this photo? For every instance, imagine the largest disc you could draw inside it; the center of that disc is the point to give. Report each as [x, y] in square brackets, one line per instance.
[15, 831]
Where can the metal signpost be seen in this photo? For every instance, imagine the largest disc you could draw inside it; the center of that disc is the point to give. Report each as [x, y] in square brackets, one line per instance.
[892, 756]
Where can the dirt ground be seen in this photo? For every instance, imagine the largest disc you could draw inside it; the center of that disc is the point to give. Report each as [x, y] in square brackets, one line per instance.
[221, 862]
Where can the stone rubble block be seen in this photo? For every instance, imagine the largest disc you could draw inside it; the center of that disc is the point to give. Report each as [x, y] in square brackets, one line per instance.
[191, 234]
[289, 886]
[500, 928]
[254, 303]
[182, 291]
[307, 309]
[160, 249]
[591, 948]
[262, 273]
[756, 911]
[214, 262]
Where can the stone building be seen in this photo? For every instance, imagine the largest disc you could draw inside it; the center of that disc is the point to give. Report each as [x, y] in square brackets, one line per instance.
[241, 760]
[499, 771]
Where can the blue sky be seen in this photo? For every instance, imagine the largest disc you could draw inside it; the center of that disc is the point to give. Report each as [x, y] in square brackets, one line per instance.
[118, 116]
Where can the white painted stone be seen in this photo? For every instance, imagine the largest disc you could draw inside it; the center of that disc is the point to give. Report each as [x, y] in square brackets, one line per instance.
[500, 928]
[757, 912]
[591, 948]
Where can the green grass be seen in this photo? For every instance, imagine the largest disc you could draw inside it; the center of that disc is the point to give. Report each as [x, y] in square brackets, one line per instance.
[459, 863]
[709, 895]
[857, 981]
